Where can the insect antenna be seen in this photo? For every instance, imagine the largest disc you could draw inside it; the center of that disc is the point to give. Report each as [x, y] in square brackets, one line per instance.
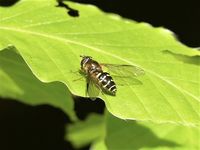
[83, 56]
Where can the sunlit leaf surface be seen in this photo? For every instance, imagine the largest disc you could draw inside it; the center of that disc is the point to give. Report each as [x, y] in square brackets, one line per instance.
[50, 41]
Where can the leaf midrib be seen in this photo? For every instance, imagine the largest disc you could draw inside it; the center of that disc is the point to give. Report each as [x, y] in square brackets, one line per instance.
[101, 51]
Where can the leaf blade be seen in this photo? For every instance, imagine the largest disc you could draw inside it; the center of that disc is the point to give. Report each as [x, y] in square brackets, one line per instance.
[53, 39]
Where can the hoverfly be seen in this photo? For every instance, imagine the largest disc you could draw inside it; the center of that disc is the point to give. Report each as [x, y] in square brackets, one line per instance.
[101, 81]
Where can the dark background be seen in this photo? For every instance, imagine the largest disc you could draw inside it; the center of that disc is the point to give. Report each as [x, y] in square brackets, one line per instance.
[180, 16]
[43, 127]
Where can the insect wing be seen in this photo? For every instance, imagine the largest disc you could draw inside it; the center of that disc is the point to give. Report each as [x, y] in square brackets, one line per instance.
[92, 90]
[123, 81]
[125, 74]
[124, 70]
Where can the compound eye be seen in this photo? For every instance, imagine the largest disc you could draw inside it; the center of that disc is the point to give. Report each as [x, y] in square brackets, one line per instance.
[82, 62]
[85, 60]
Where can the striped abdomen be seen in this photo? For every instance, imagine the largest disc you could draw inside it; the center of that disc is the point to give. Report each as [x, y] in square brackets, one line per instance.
[106, 83]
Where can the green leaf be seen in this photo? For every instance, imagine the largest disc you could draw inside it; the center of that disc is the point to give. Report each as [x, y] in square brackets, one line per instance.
[51, 42]
[18, 82]
[121, 134]
[130, 135]
[85, 132]
[98, 145]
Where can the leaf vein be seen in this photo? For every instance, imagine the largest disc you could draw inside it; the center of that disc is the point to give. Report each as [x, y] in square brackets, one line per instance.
[21, 13]
[98, 50]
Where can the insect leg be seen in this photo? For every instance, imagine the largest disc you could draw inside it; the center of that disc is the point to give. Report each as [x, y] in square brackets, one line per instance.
[86, 90]
[77, 79]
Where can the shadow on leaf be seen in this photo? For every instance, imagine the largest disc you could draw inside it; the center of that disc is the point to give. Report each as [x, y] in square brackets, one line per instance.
[195, 60]
[135, 136]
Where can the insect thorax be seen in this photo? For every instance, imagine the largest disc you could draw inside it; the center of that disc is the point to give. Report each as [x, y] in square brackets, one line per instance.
[92, 67]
